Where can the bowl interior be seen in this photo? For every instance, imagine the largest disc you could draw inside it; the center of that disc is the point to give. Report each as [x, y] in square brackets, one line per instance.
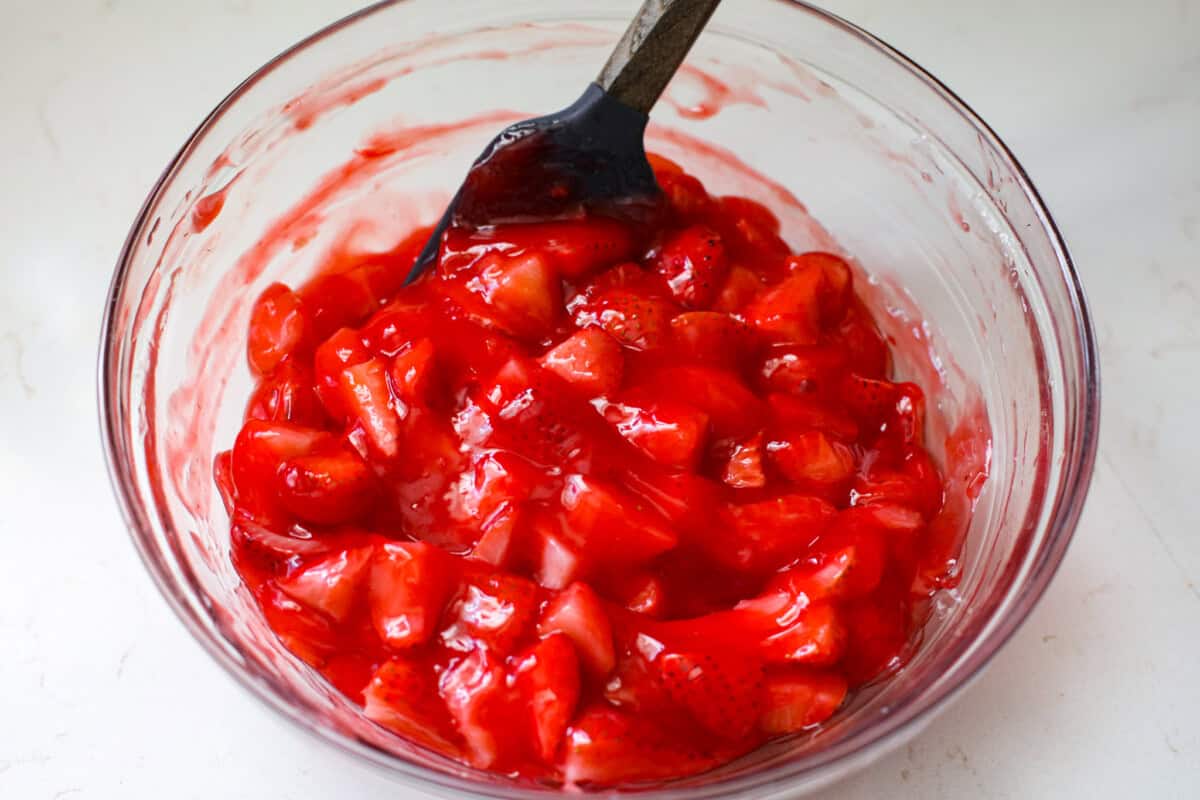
[362, 133]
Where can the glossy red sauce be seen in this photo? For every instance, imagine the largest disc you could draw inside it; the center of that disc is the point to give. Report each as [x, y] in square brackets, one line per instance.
[590, 503]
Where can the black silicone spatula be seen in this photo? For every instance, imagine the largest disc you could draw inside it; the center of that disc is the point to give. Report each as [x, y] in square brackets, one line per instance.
[590, 156]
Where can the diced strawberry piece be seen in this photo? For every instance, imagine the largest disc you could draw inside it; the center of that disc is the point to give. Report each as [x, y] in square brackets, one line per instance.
[721, 691]
[693, 263]
[414, 374]
[579, 613]
[645, 594]
[671, 433]
[606, 747]
[914, 484]
[261, 449]
[557, 561]
[751, 230]
[864, 346]
[498, 535]
[811, 412]
[287, 395]
[848, 561]
[811, 458]
[816, 637]
[741, 286]
[342, 349]
[770, 533]
[590, 360]
[733, 206]
[835, 291]
[336, 301]
[790, 313]
[482, 705]
[498, 609]
[547, 683]
[306, 633]
[328, 488]
[732, 408]
[744, 469]
[279, 327]
[877, 639]
[409, 585]
[369, 403]
[575, 248]
[685, 195]
[711, 337]
[799, 700]
[636, 320]
[403, 696]
[331, 585]
[350, 674]
[610, 527]
[802, 368]
[626, 275]
[519, 292]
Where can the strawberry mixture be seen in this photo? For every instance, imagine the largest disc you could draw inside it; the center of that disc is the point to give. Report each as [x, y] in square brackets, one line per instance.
[593, 502]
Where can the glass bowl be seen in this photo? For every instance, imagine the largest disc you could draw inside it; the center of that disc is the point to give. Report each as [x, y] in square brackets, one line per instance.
[780, 101]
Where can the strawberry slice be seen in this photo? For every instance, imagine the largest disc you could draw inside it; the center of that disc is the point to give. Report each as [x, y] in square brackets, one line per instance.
[744, 469]
[579, 613]
[741, 286]
[751, 229]
[309, 635]
[331, 585]
[801, 368]
[590, 360]
[328, 488]
[641, 593]
[671, 433]
[693, 264]
[497, 542]
[343, 349]
[817, 637]
[337, 300]
[496, 609]
[610, 527]
[636, 320]
[482, 705]
[260, 450]
[287, 395]
[409, 585]
[859, 338]
[711, 337]
[848, 561]
[798, 700]
[607, 747]
[811, 458]
[279, 327]
[546, 681]
[686, 196]
[914, 484]
[790, 313]
[402, 695]
[723, 691]
[369, 403]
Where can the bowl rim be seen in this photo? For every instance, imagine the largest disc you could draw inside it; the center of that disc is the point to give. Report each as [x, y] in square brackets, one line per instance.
[1065, 504]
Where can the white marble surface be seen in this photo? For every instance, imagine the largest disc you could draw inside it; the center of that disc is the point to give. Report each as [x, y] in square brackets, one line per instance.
[102, 693]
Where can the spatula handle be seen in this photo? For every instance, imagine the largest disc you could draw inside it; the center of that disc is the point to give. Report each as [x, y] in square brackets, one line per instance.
[652, 48]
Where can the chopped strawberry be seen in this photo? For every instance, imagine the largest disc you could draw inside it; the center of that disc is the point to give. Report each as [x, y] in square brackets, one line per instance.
[732, 408]
[770, 533]
[575, 248]
[328, 488]
[402, 696]
[741, 286]
[518, 292]
[342, 349]
[685, 195]
[414, 374]
[610, 527]
[671, 433]
[369, 403]
[557, 561]
[546, 681]
[607, 747]
[722, 691]
[305, 632]
[480, 701]
[877, 639]
[259, 452]
[801, 368]
[811, 458]
[287, 395]
[590, 360]
[835, 292]
[498, 536]
[693, 263]
[711, 337]
[865, 347]
[335, 301]
[409, 585]
[790, 312]
[798, 700]
[579, 613]
[636, 320]
[279, 327]
[811, 412]
[807, 633]
[744, 469]
[497, 609]
[331, 585]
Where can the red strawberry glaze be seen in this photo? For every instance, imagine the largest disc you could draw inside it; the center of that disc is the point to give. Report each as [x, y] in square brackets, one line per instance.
[590, 503]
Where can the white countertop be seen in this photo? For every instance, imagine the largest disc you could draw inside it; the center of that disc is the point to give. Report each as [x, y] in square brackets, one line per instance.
[104, 695]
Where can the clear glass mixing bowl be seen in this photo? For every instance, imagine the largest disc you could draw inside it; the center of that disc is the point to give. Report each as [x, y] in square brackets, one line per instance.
[400, 97]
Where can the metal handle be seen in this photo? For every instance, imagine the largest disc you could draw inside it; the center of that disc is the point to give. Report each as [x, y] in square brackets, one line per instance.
[652, 49]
